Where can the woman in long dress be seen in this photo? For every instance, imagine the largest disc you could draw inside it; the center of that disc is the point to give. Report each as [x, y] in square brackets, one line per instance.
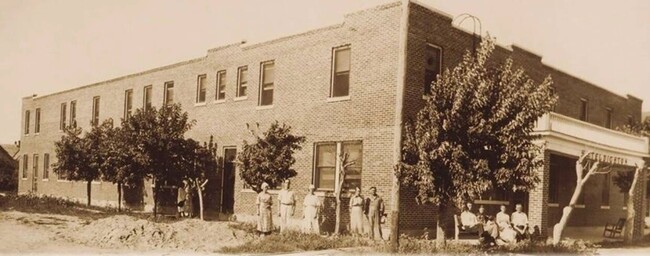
[265, 216]
[356, 213]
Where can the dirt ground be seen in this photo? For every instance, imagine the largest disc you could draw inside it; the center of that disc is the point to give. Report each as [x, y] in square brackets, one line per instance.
[31, 233]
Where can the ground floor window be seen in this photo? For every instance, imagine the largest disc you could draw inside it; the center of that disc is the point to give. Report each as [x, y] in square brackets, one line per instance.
[327, 164]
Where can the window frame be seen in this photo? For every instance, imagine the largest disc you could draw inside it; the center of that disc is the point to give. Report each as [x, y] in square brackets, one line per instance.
[147, 92]
[168, 85]
[35, 166]
[201, 88]
[27, 122]
[128, 103]
[63, 116]
[96, 110]
[338, 150]
[584, 110]
[46, 166]
[37, 121]
[608, 117]
[263, 85]
[440, 62]
[240, 84]
[220, 87]
[25, 166]
[334, 73]
[73, 113]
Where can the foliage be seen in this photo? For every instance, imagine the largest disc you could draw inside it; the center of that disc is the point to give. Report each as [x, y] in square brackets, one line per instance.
[270, 157]
[73, 160]
[623, 180]
[8, 175]
[201, 165]
[474, 133]
[293, 241]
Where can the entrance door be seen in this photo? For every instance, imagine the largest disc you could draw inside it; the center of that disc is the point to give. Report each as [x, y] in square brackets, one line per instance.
[228, 180]
[35, 175]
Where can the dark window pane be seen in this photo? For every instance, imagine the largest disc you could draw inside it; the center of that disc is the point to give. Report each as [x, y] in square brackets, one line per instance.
[341, 85]
[267, 97]
[432, 66]
[326, 177]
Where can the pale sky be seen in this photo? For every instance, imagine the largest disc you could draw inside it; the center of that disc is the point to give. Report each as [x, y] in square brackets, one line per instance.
[48, 46]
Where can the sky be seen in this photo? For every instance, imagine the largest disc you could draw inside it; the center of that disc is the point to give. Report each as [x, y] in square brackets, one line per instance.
[48, 46]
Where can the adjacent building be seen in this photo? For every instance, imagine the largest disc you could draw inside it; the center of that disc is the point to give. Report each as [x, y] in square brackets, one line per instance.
[337, 86]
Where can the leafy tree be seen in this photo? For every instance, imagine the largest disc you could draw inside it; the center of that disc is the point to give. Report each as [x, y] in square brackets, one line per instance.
[8, 174]
[158, 143]
[270, 157]
[201, 166]
[474, 133]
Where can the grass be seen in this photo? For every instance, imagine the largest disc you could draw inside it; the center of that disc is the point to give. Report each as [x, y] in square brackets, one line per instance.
[644, 242]
[54, 205]
[294, 241]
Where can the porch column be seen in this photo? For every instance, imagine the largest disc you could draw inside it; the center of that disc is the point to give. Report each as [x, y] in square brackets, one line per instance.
[538, 197]
[639, 207]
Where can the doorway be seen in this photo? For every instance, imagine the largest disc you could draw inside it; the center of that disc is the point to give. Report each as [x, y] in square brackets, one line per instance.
[228, 180]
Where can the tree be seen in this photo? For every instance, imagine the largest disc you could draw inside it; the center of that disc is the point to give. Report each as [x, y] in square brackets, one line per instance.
[270, 157]
[78, 157]
[344, 163]
[202, 164]
[582, 164]
[474, 133]
[157, 139]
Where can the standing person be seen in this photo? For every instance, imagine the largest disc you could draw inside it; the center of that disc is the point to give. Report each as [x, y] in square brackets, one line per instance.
[311, 212]
[180, 200]
[189, 203]
[375, 211]
[356, 212]
[286, 204]
[265, 217]
[519, 221]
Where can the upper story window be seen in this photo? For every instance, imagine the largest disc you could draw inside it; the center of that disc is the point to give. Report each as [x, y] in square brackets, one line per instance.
[608, 118]
[73, 113]
[46, 166]
[146, 97]
[64, 113]
[340, 72]
[242, 81]
[267, 82]
[432, 67]
[200, 88]
[25, 163]
[128, 103]
[326, 164]
[584, 108]
[95, 120]
[221, 85]
[27, 117]
[169, 93]
[37, 121]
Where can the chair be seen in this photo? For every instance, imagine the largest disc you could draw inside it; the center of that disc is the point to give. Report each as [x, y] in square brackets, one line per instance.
[614, 229]
[458, 228]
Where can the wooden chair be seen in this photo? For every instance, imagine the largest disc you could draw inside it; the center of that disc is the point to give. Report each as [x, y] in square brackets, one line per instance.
[614, 229]
[458, 228]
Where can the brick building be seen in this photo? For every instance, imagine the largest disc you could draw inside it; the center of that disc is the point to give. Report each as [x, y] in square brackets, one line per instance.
[336, 86]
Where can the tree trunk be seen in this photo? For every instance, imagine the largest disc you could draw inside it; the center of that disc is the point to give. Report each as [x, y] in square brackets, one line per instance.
[199, 191]
[337, 226]
[88, 190]
[441, 240]
[119, 196]
[631, 212]
[155, 199]
[566, 212]
[394, 216]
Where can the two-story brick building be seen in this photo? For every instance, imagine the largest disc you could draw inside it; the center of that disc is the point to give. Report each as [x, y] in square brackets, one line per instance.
[340, 87]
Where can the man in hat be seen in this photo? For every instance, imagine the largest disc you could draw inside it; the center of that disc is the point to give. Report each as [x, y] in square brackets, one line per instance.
[312, 211]
[287, 202]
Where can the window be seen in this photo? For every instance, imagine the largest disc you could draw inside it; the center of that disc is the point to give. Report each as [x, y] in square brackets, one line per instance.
[73, 113]
[169, 93]
[605, 191]
[242, 81]
[221, 85]
[128, 103]
[27, 122]
[433, 66]
[608, 118]
[37, 121]
[25, 163]
[267, 71]
[200, 89]
[64, 111]
[146, 98]
[326, 164]
[584, 107]
[46, 166]
[95, 120]
[340, 72]
[35, 173]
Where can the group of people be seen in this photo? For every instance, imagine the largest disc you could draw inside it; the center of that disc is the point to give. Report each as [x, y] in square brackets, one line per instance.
[503, 228]
[370, 210]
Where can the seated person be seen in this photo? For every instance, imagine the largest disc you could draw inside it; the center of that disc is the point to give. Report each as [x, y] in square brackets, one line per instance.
[519, 221]
[503, 219]
[480, 216]
[468, 221]
[491, 233]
